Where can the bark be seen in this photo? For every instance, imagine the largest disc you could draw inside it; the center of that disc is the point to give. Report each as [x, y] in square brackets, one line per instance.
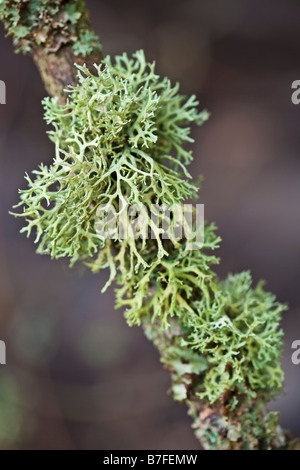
[57, 68]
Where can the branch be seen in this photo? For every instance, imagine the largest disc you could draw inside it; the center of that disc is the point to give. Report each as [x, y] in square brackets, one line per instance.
[58, 34]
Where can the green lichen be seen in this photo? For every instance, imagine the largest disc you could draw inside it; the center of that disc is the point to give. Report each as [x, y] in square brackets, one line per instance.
[232, 334]
[240, 325]
[87, 43]
[48, 23]
[112, 138]
[119, 140]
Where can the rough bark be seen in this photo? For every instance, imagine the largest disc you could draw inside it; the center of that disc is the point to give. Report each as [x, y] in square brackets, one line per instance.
[57, 34]
[57, 68]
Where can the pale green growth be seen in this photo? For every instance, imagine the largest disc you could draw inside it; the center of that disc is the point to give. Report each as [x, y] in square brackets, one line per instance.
[239, 336]
[111, 138]
[235, 329]
[167, 288]
[120, 139]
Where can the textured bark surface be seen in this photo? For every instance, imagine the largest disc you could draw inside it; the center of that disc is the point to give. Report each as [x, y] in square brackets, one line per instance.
[57, 69]
[57, 34]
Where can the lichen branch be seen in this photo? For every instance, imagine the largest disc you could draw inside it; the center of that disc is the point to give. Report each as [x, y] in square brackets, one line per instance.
[120, 133]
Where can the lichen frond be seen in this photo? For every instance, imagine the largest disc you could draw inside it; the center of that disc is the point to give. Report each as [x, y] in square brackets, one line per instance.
[111, 138]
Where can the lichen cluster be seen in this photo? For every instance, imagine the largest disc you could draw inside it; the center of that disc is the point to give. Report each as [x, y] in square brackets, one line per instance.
[120, 138]
[234, 330]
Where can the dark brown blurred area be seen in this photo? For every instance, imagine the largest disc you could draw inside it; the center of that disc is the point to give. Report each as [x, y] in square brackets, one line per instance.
[77, 377]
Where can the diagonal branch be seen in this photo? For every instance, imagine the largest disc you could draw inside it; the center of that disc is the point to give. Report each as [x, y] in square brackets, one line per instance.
[57, 34]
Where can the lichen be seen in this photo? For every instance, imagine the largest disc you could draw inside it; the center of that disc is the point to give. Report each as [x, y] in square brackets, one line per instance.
[120, 138]
[231, 333]
[111, 138]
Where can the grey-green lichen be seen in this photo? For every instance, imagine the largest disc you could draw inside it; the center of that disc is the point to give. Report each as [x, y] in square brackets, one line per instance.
[120, 138]
[231, 333]
[237, 420]
[48, 23]
[112, 138]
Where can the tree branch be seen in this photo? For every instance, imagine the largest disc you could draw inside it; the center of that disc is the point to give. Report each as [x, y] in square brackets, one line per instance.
[57, 35]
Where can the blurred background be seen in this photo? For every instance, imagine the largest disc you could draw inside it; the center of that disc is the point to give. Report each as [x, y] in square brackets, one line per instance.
[77, 377]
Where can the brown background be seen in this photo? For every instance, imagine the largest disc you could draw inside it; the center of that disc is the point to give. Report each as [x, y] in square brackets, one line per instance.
[77, 377]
